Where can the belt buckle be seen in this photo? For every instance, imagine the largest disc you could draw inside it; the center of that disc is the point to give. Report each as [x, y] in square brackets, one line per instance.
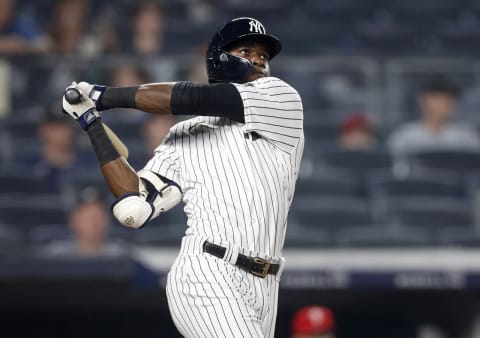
[266, 267]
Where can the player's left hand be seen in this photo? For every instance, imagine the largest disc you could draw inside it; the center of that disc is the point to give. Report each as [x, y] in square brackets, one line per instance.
[84, 112]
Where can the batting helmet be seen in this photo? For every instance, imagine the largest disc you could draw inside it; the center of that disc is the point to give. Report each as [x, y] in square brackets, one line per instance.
[225, 67]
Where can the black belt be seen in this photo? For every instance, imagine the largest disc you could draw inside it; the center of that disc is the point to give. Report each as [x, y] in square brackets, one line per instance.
[258, 266]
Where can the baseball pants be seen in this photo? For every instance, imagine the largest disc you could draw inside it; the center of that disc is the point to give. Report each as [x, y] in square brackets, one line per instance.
[209, 297]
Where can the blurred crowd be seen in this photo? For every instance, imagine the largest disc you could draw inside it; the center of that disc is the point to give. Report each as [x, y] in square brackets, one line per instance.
[368, 178]
[394, 178]
[86, 28]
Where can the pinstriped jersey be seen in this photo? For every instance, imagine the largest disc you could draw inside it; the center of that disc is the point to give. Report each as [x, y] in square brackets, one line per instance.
[238, 179]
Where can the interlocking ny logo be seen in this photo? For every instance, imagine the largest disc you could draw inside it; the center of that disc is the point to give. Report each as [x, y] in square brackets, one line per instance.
[257, 27]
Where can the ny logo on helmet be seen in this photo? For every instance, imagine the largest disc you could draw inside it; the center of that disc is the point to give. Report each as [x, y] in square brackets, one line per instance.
[257, 27]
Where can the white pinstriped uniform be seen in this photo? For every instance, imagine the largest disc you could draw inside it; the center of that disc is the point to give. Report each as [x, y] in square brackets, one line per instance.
[237, 190]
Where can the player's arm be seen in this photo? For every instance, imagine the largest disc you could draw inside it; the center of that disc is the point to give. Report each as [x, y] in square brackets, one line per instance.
[177, 98]
[139, 197]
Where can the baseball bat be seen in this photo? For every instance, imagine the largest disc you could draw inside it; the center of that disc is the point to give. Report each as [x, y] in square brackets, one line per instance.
[73, 96]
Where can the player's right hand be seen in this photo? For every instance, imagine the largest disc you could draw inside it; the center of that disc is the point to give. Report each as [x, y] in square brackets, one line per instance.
[84, 112]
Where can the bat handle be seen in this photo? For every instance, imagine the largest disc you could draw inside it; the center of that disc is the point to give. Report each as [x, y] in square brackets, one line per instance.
[73, 96]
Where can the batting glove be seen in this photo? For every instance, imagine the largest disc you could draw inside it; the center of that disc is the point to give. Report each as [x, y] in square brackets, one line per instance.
[84, 112]
[92, 91]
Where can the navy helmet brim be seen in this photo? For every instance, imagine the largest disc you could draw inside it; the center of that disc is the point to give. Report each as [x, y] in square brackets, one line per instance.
[272, 43]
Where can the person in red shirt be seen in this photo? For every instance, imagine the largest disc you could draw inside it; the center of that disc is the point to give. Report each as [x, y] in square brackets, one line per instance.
[356, 133]
[313, 322]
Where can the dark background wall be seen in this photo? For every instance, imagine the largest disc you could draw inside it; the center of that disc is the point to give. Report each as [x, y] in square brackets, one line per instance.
[112, 308]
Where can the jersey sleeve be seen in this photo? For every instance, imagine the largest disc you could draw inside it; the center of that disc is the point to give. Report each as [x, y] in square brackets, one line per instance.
[273, 109]
[166, 161]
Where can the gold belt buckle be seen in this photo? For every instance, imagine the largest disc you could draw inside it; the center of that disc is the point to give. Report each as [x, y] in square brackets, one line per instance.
[266, 267]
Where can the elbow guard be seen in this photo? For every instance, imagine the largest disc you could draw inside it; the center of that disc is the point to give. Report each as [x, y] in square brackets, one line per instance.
[132, 211]
[161, 193]
[155, 197]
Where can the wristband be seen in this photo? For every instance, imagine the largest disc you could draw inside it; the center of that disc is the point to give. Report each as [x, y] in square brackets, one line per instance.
[104, 149]
[97, 92]
[122, 97]
[89, 117]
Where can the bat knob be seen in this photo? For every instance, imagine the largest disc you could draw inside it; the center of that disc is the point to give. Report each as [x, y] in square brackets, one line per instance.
[73, 96]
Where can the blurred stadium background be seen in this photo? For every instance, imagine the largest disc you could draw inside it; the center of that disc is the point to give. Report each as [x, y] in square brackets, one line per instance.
[390, 243]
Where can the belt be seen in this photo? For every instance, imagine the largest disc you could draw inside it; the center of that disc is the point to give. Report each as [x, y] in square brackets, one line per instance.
[255, 265]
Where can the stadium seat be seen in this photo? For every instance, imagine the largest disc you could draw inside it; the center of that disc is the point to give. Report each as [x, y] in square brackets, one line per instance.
[331, 212]
[329, 182]
[382, 236]
[430, 213]
[21, 128]
[298, 236]
[28, 199]
[460, 40]
[37, 210]
[359, 161]
[318, 130]
[74, 183]
[458, 161]
[158, 235]
[12, 239]
[42, 234]
[348, 10]
[25, 155]
[21, 183]
[121, 233]
[384, 184]
[388, 191]
[458, 236]
[387, 40]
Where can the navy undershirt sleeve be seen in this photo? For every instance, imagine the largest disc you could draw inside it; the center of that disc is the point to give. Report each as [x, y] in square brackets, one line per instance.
[219, 99]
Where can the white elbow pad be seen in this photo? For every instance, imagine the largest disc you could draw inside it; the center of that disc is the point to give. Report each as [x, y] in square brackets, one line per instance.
[169, 197]
[166, 195]
[132, 211]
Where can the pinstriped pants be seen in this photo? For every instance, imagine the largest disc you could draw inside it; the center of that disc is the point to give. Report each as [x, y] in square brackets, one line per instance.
[209, 297]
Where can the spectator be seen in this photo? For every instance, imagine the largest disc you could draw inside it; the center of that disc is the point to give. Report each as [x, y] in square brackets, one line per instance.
[153, 130]
[196, 71]
[90, 223]
[69, 30]
[313, 322]
[126, 75]
[356, 133]
[18, 33]
[147, 29]
[106, 30]
[58, 155]
[436, 129]
[203, 11]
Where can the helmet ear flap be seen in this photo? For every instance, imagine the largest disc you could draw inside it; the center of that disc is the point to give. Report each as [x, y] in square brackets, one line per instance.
[225, 67]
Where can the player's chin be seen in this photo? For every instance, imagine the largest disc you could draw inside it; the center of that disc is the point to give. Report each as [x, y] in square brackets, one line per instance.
[256, 75]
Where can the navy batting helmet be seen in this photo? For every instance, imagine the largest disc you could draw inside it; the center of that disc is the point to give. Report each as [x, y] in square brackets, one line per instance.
[225, 67]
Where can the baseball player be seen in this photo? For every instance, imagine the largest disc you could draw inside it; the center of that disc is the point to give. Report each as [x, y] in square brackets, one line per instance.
[234, 166]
